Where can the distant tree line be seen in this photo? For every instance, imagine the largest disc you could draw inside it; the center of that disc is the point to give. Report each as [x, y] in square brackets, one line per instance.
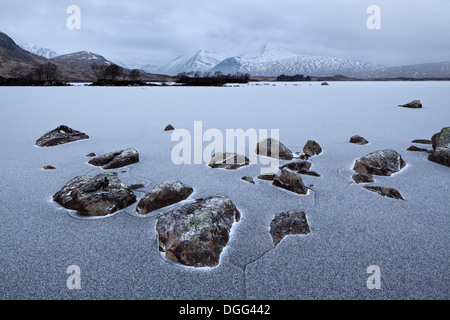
[114, 75]
[196, 78]
[45, 74]
[297, 77]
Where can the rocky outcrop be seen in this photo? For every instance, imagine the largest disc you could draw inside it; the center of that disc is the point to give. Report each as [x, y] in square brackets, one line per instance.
[116, 159]
[195, 234]
[381, 163]
[362, 178]
[162, 195]
[441, 147]
[169, 127]
[414, 148]
[273, 148]
[290, 180]
[248, 179]
[422, 141]
[228, 160]
[287, 223]
[415, 104]
[358, 140]
[312, 148]
[100, 195]
[385, 192]
[60, 135]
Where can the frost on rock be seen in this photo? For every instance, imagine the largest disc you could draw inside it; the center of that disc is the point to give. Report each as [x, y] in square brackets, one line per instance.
[100, 195]
[286, 223]
[228, 160]
[60, 135]
[273, 148]
[381, 163]
[195, 234]
[162, 195]
[116, 159]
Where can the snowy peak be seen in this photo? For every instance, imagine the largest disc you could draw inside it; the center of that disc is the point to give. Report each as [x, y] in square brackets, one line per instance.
[40, 51]
[201, 60]
[82, 57]
[269, 52]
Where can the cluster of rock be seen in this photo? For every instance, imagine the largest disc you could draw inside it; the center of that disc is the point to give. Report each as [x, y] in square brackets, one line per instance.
[381, 163]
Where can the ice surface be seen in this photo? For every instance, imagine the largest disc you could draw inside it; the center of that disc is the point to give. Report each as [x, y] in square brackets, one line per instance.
[351, 228]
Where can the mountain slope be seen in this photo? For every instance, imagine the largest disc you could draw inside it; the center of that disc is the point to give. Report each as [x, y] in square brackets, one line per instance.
[40, 51]
[273, 61]
[202, 60]
[426, 70]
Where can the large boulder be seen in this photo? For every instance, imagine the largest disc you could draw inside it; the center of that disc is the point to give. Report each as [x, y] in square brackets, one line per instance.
[100, 195]
[312, 148]
[60, 135]
[286, 223]
[116, 159]
[441, 147]
[415, 104]
[290, 180]
[195, 234]
[162, 195]
[273, 148]
[228, 160]
[381, 163]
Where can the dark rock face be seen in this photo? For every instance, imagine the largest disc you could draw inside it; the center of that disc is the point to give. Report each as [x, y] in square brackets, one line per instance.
[116, 159]
[358, 140]
[228, 160]
[195, 234]
[381, 163]
[248, 179]
[268, 177]
[414, 148]
[297, 165]
[60, 135]
[290, 180]
[362, 178]
[100, 195]
[422, 141]
[385, 192]
[312, 148]
[269, 147]
[415, 104]
[285, 223]
[164, 194]
[441, 147]
[169, 127]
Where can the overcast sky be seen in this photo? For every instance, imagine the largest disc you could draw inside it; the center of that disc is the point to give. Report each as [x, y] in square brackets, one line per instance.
[156, 31]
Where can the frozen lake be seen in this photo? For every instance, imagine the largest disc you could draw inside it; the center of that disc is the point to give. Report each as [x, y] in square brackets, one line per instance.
[351, 228]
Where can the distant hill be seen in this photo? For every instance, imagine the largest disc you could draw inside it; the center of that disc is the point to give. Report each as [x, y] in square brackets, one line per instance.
[418, 71]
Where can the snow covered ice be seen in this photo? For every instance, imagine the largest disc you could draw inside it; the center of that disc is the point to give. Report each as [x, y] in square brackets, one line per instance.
[351, 228]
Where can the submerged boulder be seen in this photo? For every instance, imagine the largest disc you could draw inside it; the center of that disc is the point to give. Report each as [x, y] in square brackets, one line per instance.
[441, 147]
[286, 223]
[116, 159]
[273, 148]
[228, 160]
[385, 192]
[422, 141]
[169, 127]
[415, 104]
[60, 135]
[312, 148]
[290, 180]
[100, 195]
[195, 234]
[381, 163]
[248, 179]
[297, 165]
[162, 195]
[414, 148]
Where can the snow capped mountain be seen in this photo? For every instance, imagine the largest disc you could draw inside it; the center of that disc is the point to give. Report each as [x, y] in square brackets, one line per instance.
[40, 51]
[81, 57]
[273, 61]
[202, 60]
[146, 67]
